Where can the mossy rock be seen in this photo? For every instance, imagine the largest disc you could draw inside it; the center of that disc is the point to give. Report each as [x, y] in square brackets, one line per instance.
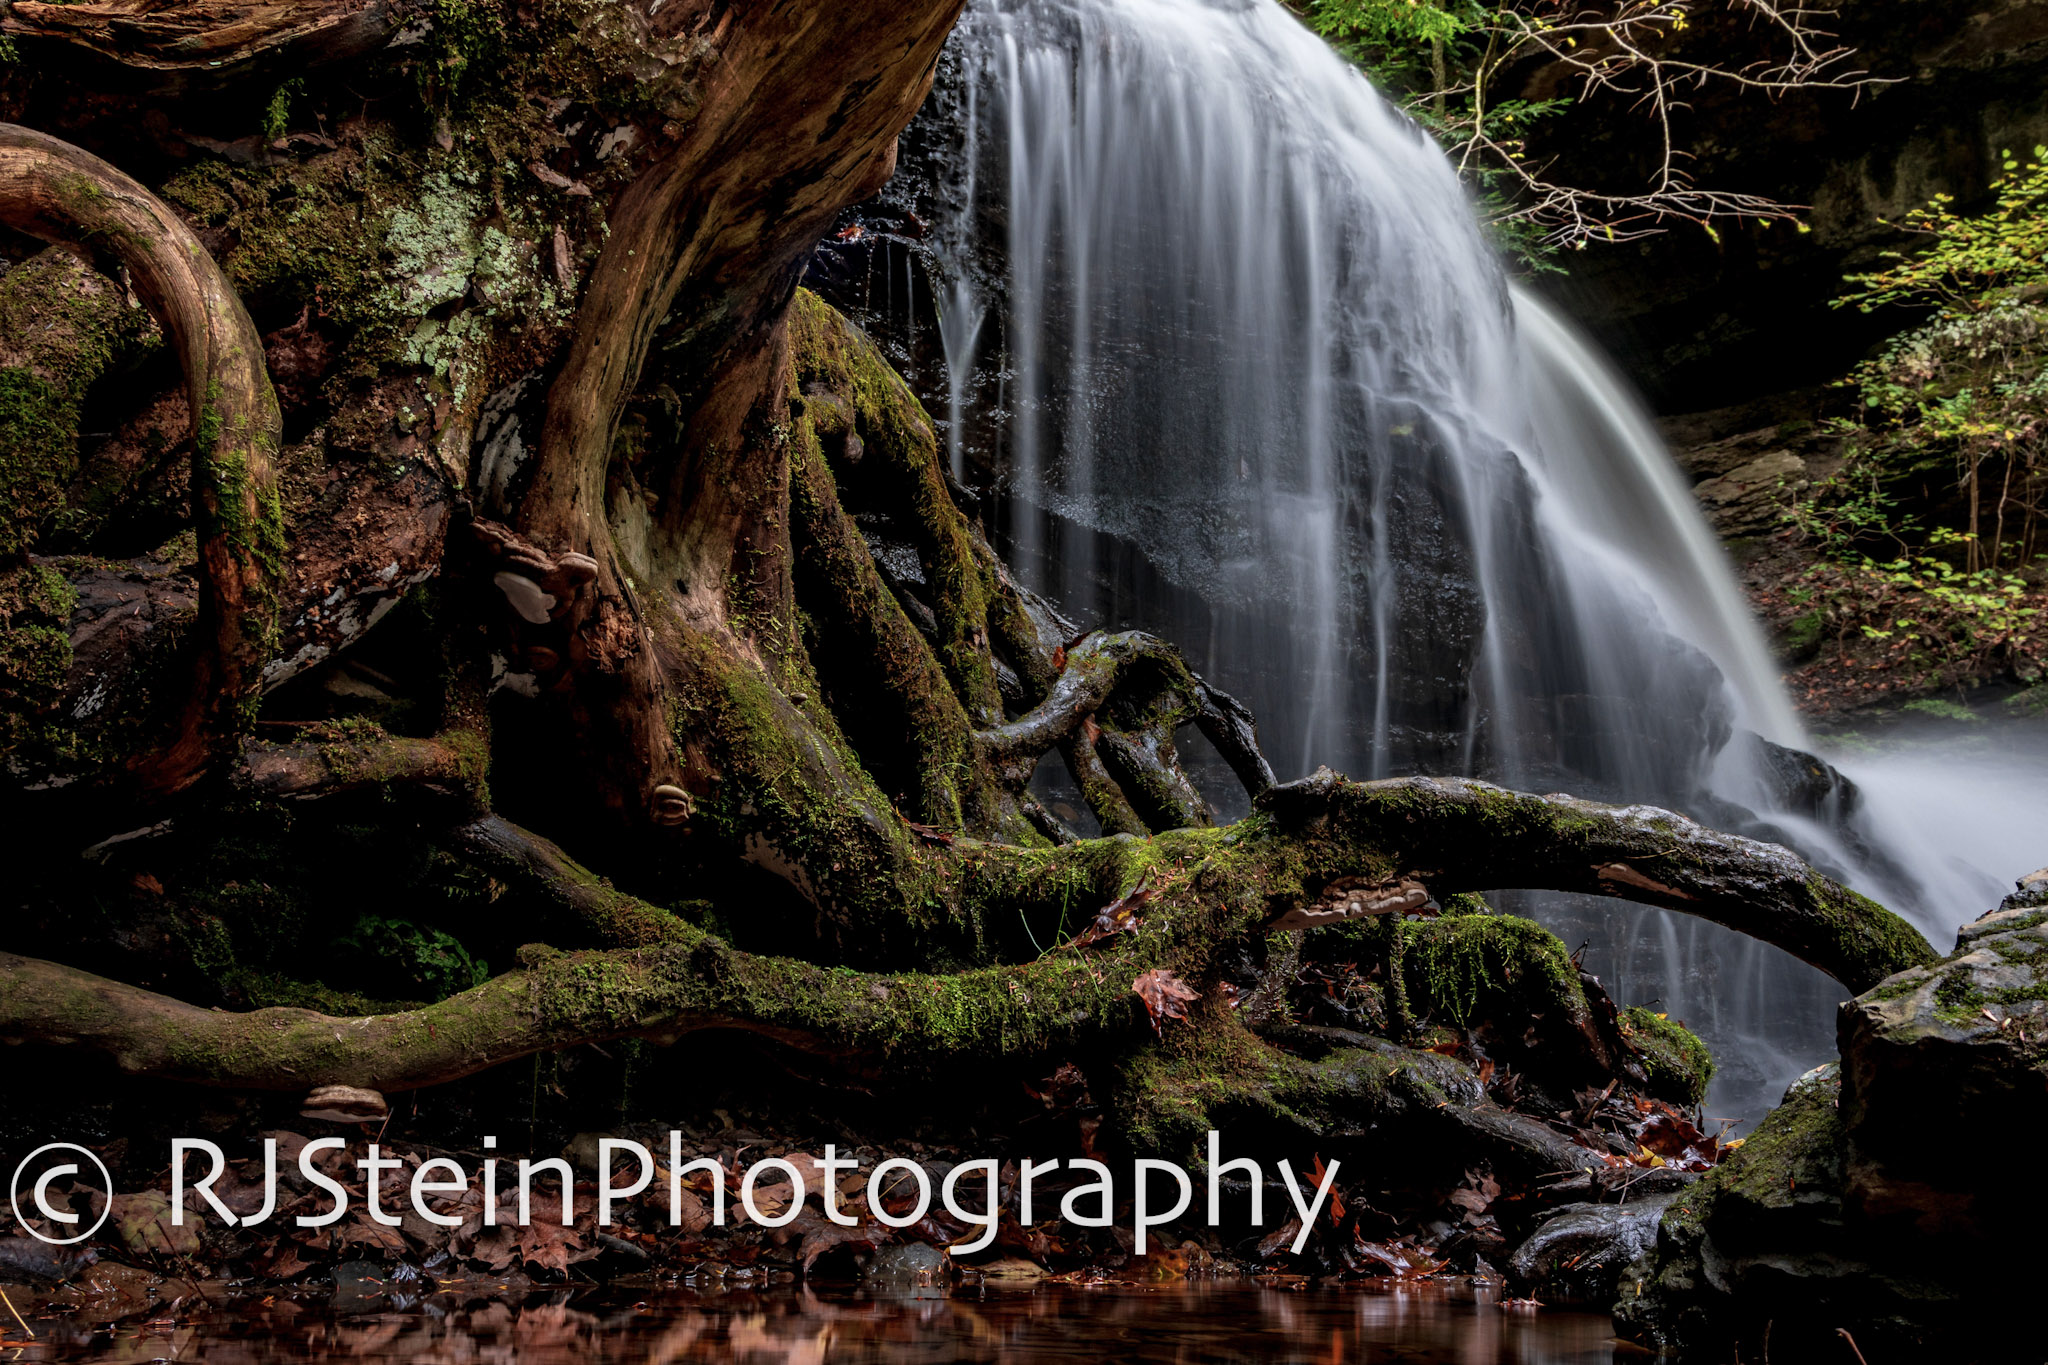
[62, 326]
[1941, 1059]
[1801, 636]
[1775, 1197]
[35, 652]
[1679, 1064]
[1461, 968]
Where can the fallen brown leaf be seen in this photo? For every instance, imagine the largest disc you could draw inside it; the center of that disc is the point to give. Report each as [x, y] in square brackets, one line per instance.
[1166, 996]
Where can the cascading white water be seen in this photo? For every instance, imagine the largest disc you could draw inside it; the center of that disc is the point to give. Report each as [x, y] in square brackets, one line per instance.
[1256, 381]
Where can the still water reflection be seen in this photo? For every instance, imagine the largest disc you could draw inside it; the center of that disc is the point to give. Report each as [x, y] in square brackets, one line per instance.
[1183, 1324]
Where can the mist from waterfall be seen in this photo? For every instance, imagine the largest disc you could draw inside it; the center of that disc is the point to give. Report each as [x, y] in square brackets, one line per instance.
[1253, 379]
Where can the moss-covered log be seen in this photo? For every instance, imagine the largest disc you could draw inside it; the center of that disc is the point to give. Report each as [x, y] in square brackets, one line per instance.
[1206, 888]
[1458, 835]
[661, 991]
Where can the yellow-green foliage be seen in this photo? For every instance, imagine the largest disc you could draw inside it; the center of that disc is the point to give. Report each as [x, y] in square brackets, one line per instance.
[1968, 263]
[1955, 403]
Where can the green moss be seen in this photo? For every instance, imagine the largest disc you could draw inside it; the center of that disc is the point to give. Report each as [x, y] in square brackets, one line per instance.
[1794, 1156]
[792, 793]
[1679, 1064]
[419, 259]
[1943, 709]
[65, 327]
[411, 959]
[900, 442]
[1776, 1193]
[899, 708]
[35, 658]
[38, 451]
[277, 115]
[303, 234]
[1802, 635]
[263, 990]
[964, 1015]
[464, 35]
[1871, 942]
[1464, 967]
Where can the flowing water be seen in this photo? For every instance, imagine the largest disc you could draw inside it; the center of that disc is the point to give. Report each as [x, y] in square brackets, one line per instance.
[1223, 325]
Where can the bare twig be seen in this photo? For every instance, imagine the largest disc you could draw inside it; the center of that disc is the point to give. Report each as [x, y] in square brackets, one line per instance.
[1628, 49]
[17, 1314]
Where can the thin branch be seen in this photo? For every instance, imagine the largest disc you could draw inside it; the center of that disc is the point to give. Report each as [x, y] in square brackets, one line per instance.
[1616, 50]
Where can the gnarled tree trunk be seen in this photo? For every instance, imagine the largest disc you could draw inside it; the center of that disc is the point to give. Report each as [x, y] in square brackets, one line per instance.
[559, 294]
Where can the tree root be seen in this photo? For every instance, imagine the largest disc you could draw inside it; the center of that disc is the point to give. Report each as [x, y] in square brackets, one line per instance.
[1439, 1097]
[342, 762]
[1334, 1087]
[588, 906]
[1227, 723]
[209, 39]
[1459, 835]
[660, 992]
[898, 706]
[863, 447]
[61, 194]
[1093, 669]
[1112, 712]
[1209, 887]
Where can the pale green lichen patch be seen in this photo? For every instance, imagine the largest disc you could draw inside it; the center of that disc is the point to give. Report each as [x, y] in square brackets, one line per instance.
[423, 260]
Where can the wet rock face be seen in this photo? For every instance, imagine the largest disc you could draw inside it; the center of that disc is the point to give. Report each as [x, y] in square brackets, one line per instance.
[911, 1265]
[24, 1260]
[1861, 1200]
[2032, 892]
[1807, 783]
[1941, 1060]
[1751, 498]
[1579, 1253]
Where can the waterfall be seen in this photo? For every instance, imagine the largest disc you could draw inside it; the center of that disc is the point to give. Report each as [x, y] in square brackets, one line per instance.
[1222, 326]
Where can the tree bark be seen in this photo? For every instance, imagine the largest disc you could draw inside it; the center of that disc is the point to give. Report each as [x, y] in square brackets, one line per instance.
[182, 41]
[61, 194]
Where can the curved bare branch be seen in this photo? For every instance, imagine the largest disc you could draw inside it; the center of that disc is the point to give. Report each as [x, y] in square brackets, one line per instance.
[61, 194]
